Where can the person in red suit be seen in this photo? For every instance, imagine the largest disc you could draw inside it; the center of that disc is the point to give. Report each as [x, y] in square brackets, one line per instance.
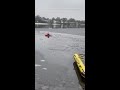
[47, 35]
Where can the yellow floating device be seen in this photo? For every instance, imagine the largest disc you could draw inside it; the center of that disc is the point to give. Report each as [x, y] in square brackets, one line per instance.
[79, 62]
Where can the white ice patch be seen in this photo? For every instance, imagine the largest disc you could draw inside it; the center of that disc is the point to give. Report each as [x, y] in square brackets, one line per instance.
[44, 68]
[42, 60]
[37, 65]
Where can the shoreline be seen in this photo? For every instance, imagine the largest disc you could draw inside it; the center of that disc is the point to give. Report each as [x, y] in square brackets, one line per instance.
[74, 31]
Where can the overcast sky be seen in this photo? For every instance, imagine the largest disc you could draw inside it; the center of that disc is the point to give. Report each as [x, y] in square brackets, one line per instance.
[60, 8]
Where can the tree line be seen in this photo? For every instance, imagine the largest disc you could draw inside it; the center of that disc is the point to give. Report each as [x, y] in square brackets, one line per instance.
[61, 22]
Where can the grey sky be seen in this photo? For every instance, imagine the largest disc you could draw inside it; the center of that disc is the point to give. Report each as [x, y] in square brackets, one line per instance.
[60, 8]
